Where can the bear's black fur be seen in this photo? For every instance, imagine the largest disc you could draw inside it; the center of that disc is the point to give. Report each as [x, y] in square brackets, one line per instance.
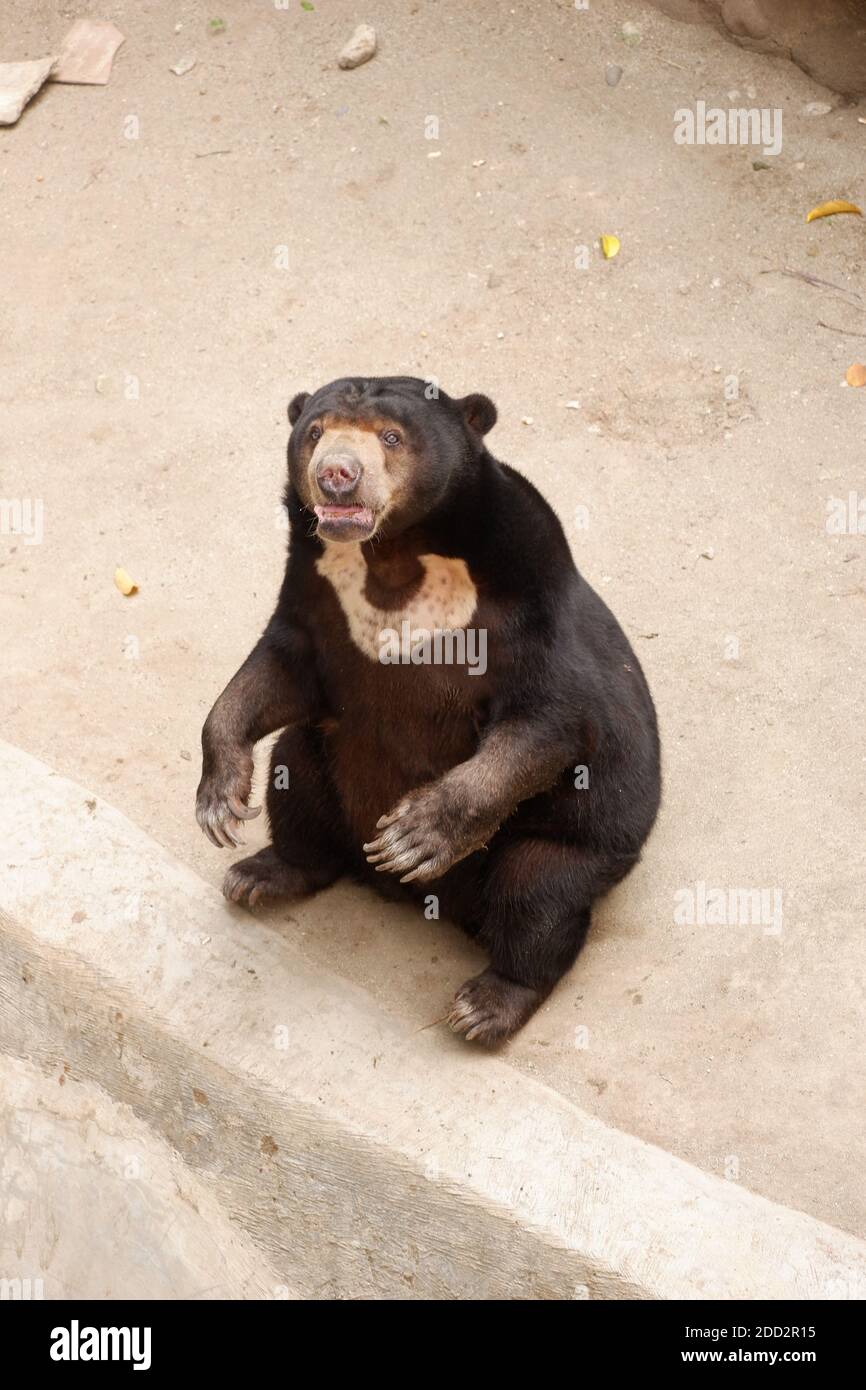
[462, 784]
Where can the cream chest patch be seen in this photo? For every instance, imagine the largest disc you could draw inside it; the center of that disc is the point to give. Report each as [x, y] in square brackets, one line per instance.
[444, 602]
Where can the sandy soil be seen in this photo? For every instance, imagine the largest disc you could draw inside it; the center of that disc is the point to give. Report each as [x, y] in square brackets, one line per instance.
[149, 343]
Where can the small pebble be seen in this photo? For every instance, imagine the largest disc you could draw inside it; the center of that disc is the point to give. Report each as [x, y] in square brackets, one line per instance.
[817, 108]
[612, 74]
[183, 66]
[360, 48]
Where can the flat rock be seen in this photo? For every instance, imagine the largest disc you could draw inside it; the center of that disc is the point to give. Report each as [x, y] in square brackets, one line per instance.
[360, 48]
[18, 83]
[87, 53]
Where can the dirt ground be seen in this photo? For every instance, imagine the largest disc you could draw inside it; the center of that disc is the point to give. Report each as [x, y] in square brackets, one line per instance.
[278, 222]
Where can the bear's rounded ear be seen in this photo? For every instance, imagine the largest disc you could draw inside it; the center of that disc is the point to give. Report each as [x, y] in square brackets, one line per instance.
[296, 405]
[479, 412]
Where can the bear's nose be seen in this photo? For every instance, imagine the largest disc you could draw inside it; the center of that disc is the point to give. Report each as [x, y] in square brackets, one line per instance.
[338, 472]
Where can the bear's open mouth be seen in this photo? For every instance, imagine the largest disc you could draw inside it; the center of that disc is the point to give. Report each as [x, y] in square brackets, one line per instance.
[344, 522]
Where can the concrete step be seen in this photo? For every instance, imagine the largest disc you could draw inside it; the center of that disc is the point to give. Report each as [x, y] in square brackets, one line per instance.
[172, 1064]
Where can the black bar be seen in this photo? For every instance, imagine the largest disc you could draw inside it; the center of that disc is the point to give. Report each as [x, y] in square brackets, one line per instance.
[233, 1338]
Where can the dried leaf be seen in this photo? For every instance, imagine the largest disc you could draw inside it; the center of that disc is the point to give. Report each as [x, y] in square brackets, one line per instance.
[125, 584]
[830, 210]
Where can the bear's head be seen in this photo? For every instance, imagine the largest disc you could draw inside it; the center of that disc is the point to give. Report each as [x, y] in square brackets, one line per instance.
[374, 455]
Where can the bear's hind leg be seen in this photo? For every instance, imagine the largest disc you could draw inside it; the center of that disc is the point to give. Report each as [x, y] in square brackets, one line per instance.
[311, 846]
[267, 875]
[538, 896]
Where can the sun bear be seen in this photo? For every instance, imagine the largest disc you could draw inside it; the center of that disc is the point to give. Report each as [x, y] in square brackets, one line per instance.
[461, 714]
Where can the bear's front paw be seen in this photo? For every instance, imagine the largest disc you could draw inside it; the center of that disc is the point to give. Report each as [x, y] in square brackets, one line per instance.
[221, 808]
[422, 837]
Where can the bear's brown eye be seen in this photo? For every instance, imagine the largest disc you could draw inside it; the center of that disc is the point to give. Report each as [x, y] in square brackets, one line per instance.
[316, 433]
[391, 438]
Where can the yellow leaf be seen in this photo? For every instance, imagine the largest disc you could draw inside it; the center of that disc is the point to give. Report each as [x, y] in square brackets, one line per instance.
[856, 374]
[609, 247]
[124, 583]
[830, 209]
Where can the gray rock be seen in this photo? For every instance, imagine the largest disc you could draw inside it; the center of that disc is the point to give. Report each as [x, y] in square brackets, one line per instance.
[745, 18]
[612, 74]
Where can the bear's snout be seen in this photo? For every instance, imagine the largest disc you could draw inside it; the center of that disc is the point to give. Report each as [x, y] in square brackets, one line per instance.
[338, 473]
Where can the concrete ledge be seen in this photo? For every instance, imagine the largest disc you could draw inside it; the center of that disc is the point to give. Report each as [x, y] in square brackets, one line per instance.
[95, 1205]
[330, 1151]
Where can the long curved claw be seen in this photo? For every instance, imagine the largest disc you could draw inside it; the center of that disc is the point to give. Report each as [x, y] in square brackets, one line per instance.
[221, 816]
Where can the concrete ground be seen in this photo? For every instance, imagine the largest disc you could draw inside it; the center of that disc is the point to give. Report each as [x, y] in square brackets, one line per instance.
[277, 222]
